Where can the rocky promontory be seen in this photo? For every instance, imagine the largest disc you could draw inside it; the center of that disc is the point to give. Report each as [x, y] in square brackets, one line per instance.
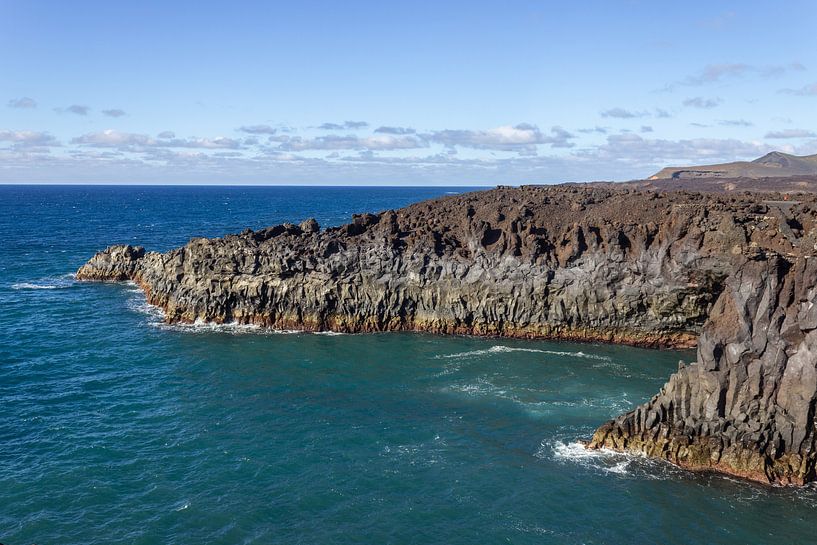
[746, 406]
[561, 262]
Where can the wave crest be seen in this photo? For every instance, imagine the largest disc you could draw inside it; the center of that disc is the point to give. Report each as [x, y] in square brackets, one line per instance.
[48, 283]
[502, 349]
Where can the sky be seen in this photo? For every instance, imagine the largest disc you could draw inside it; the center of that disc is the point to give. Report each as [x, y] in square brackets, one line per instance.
[399, 93]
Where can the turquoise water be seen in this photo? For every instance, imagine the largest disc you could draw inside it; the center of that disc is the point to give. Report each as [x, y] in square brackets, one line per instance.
[117, 429]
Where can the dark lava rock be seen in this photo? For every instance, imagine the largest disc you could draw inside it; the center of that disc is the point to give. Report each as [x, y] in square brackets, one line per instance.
[586, 263]
[746, 406]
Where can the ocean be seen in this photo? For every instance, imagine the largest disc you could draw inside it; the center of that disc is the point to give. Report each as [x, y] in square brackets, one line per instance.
[118, 429]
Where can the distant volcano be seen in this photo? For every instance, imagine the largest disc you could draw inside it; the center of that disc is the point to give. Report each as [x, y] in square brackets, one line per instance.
[774, 164]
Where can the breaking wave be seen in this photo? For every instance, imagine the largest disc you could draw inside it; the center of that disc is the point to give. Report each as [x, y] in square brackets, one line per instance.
[604, 460]
[609, 461]
[233, 328]
[138, 303]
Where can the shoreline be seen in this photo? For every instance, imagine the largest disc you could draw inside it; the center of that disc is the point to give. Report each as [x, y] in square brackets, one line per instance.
[348, 325]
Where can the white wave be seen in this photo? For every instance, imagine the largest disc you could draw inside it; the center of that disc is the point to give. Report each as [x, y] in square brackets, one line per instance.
[448, 369]
[141, 306]
[54, 283]
[30, 286]
[606, 460]
[620, 468]
[480, 388]
[616, 368]
[578, 354]
[200, 326]
[573, 452]
[138, 303]
[132, 286]
[807, 494]
[612, 404]
[530, 400]
[501, 349]
[233, 328]
[633, 465]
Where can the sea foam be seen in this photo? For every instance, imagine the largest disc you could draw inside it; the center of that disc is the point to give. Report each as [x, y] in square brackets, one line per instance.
[609, 461]
[606, 460]
[501, 349]
[48, 283]
[31, 286]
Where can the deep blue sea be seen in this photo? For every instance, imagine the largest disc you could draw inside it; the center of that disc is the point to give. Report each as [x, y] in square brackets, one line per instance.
[117, 429]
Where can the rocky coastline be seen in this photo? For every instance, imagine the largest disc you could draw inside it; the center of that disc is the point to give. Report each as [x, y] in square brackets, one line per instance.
[746, 406]
[579, 263]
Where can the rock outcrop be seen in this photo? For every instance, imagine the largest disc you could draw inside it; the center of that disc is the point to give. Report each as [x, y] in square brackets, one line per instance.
[573, 263]
[746, 406]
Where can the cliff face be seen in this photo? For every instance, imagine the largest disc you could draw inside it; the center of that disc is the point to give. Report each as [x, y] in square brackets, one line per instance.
[534, 262]
[747, 405]
[575, 263]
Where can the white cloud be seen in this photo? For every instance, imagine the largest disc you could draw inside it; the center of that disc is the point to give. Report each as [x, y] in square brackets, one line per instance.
[715, 73]
[22, 102]
[258, 129]
[735, 123]
[114, 112]
[807, 90]
[350, 142]
[345, 126]
[395, 130]
[130, 141]
[395, 154]
[622, 113]
[76, 109]
[114, 139]
[219, 142]
[522, 137]
[701, 102]
[791, 133]
[641, 151]
[596, 129]
[28, 139]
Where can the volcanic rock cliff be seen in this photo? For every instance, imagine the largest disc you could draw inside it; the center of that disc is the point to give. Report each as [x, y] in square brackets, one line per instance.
[578, 263]
[746, 406]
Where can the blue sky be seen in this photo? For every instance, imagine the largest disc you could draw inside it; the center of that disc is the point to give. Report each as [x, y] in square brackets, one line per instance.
[410, 93]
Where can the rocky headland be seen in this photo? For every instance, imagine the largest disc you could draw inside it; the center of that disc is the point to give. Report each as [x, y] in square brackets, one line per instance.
[728, 272]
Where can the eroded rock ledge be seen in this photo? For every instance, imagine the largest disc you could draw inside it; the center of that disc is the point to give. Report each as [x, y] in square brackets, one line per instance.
[573, 263]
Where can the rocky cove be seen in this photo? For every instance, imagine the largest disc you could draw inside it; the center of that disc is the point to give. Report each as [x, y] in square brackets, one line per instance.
[728, 272]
